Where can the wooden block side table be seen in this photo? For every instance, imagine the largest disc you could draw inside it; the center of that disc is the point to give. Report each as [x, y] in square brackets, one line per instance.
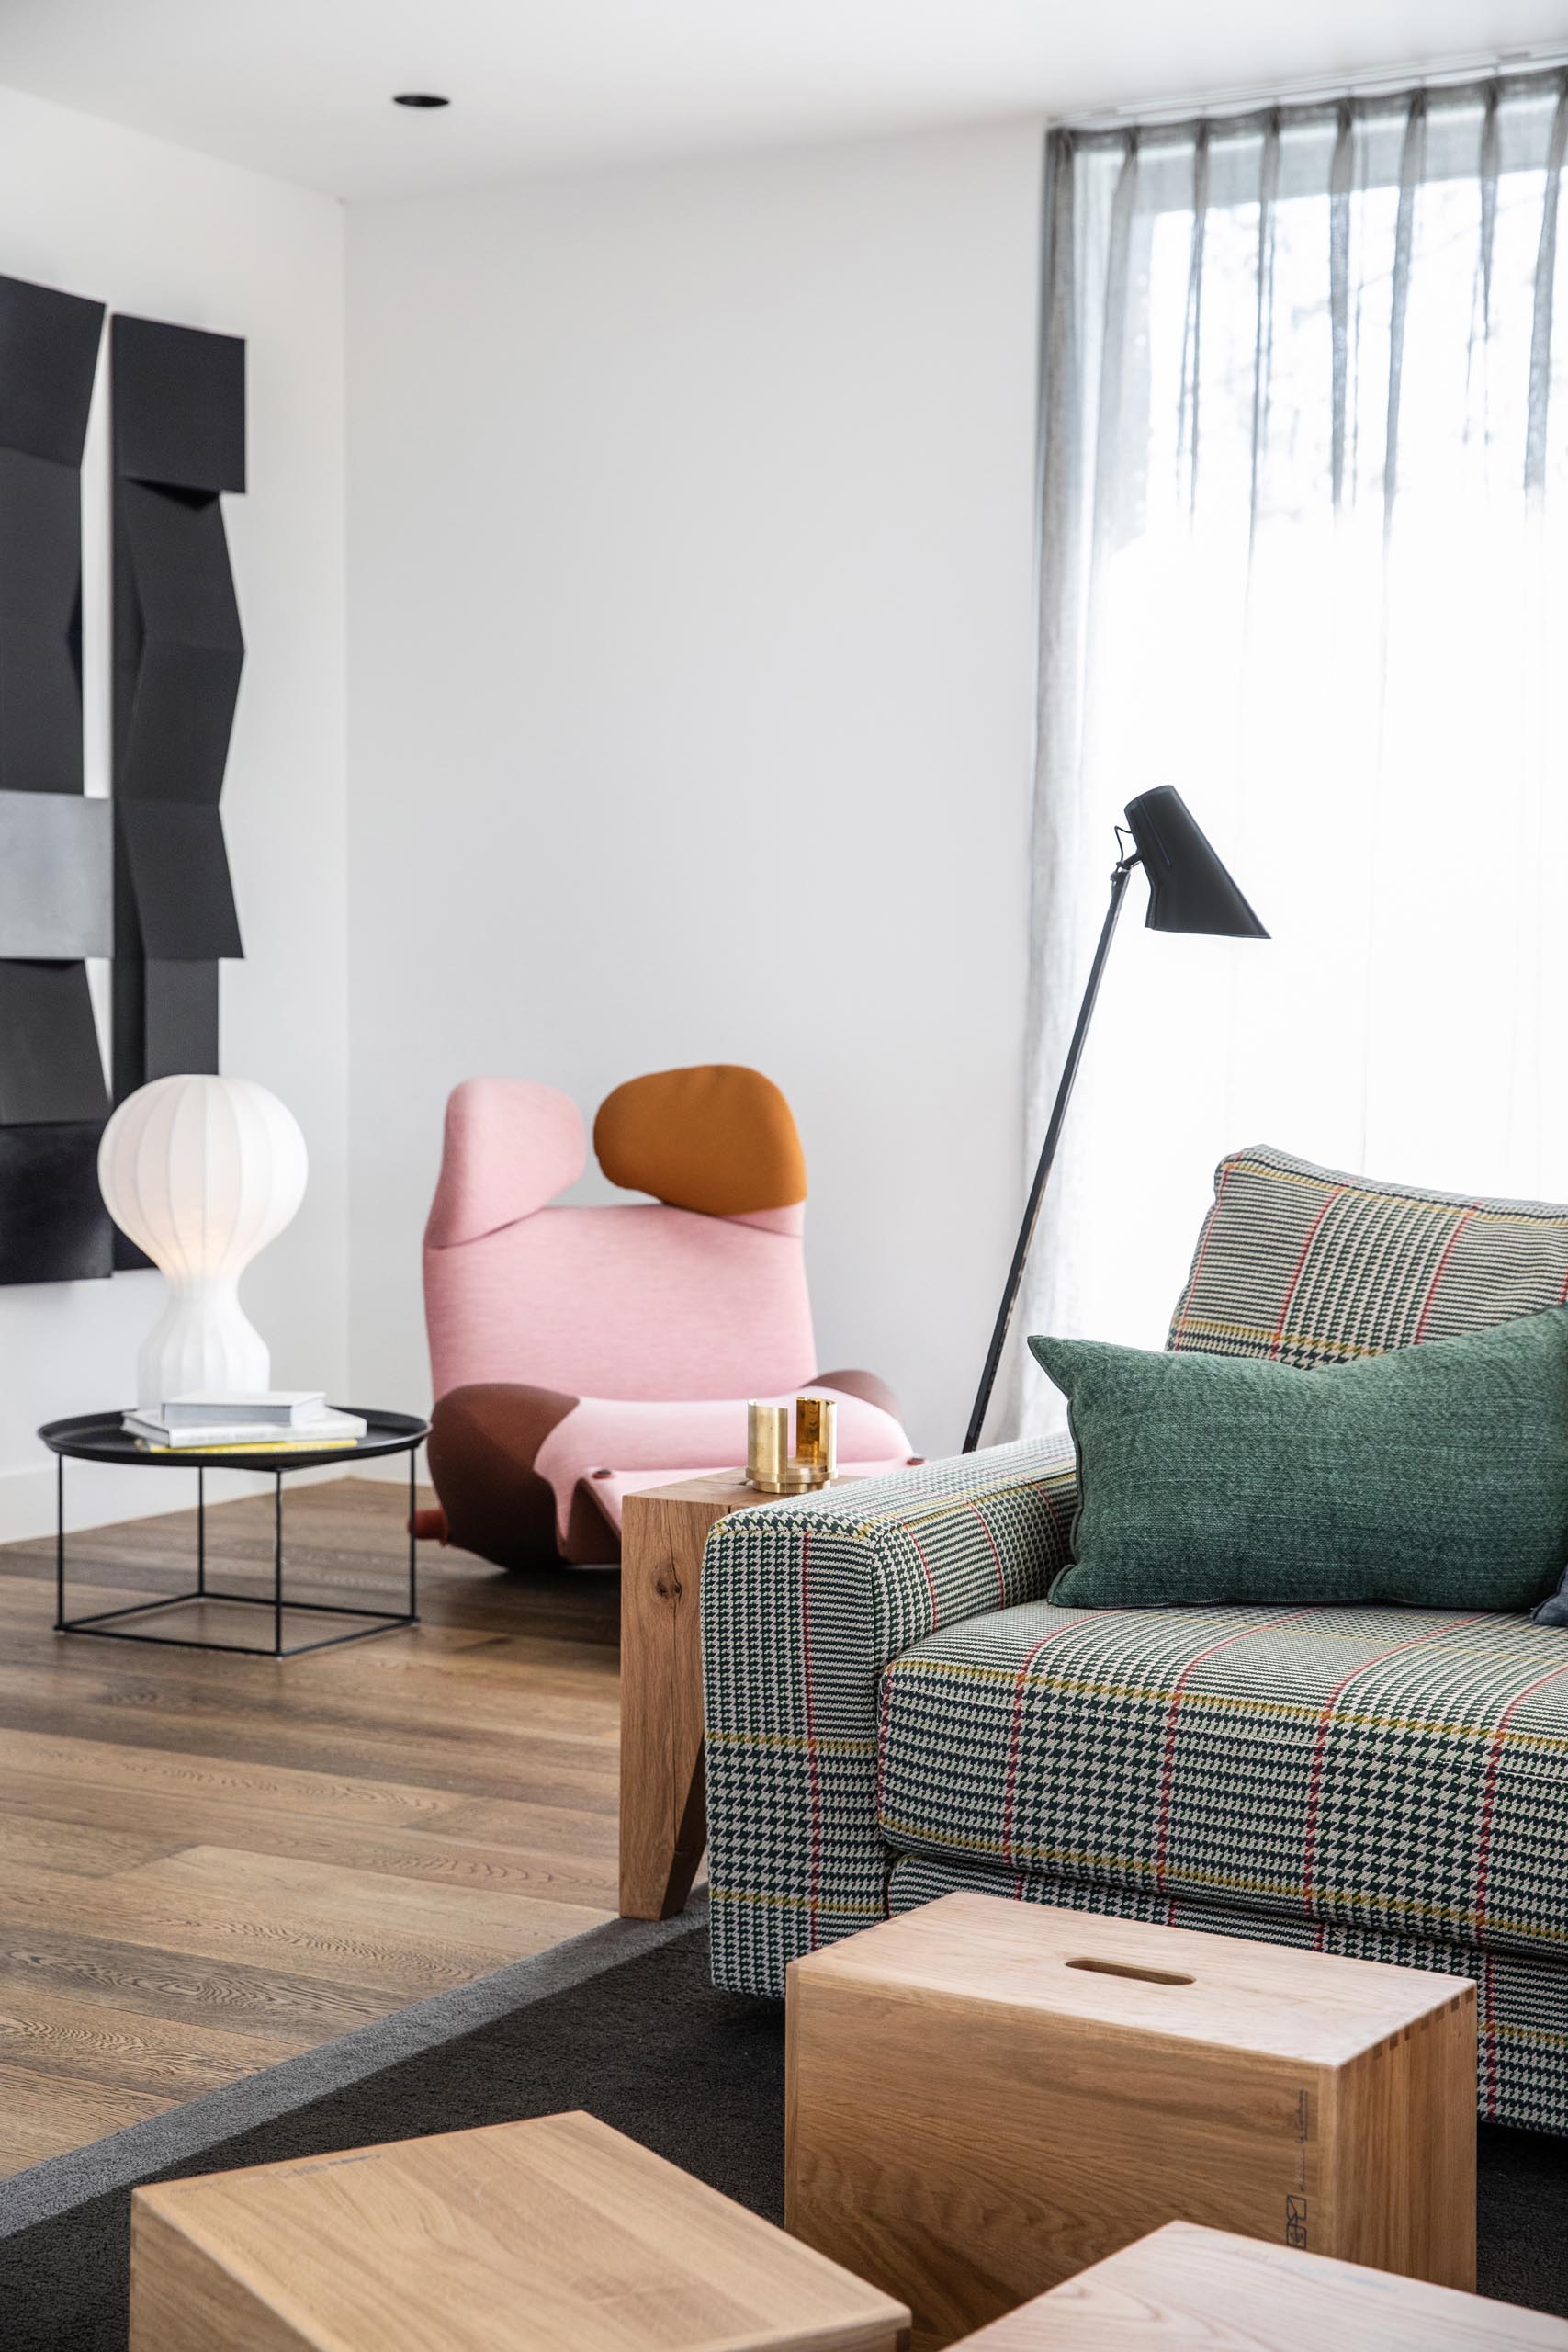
[556, 2234]
[1189, 2290]
[985, 2097]
[663, 1806]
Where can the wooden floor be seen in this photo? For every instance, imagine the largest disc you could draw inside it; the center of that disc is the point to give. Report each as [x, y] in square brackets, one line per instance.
[209, 1864]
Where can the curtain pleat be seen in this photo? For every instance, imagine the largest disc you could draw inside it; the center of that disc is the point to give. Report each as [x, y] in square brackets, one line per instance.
[1341, 178]
[1192, 342]
[1545, 287]
[1263, 336]
[1412, 161]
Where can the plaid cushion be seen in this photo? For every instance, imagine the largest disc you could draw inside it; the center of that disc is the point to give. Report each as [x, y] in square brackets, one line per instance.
[1403, 1770]
[803, 1603]
[1308, 1267]
[1523, 2054]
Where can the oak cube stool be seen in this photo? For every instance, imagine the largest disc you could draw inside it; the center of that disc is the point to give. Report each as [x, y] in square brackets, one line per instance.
[1187, 2286]
[555, 2235]
[985, 2097]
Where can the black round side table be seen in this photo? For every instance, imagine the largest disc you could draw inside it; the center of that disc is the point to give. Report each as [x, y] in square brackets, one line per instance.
[99, 1437]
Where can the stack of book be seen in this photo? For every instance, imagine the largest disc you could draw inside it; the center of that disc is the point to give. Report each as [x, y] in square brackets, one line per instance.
[281, 1421]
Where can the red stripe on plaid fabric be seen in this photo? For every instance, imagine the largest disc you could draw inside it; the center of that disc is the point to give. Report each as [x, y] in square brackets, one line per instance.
[1325, 1725]
[1299, 1268]
[1209, 1223]
[1441, 1268]
[1015, 1729]
[813, 1776]
[1489, 1793]
[1001, 1573]
[1173, 1723]
[930, 1581]
[1488, 2032]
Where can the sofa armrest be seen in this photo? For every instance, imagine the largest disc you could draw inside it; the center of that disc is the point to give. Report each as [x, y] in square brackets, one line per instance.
[804, 1603]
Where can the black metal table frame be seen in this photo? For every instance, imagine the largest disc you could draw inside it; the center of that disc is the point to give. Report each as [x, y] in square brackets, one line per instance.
[102, 1622]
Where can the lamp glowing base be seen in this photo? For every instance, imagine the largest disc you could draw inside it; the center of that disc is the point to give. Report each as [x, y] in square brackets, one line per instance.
[203, 1342]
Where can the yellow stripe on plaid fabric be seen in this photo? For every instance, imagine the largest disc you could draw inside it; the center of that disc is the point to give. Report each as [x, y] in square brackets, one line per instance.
[1343, 1351]
[1305, 1710]
[791, 1743]
[764, 1899]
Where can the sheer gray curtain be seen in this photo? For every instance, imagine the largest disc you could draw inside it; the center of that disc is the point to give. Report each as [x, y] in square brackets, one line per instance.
[1304, 555]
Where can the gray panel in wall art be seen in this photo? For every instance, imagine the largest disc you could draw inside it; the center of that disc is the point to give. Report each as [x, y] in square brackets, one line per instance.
[56, 875]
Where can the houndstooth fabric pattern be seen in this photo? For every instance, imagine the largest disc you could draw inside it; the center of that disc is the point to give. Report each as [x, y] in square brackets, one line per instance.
[1522, 2070]
[1308, 1267]
[803, 1603]
[1398, 1769]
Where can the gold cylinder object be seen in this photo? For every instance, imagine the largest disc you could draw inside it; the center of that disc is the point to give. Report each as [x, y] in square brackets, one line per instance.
[816, 1436]
[767, 1446]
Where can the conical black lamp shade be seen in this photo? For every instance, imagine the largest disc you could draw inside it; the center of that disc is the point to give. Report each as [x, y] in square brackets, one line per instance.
[1189, 889]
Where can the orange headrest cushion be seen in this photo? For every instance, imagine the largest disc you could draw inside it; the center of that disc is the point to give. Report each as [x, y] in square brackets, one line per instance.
[720, 1139]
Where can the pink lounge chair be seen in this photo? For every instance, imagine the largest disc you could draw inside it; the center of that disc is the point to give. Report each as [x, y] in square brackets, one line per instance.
[580, 1353]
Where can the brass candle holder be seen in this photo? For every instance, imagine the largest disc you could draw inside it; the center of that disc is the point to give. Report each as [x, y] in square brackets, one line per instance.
[816, 1434]
[770, 1466]
[767, 1446]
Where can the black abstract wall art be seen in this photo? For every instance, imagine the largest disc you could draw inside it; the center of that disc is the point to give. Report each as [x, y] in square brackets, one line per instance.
[55, 856]
[143, 878]
[179, 444]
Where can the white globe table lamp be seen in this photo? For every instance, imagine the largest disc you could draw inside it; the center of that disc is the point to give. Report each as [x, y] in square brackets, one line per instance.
[202, 1173]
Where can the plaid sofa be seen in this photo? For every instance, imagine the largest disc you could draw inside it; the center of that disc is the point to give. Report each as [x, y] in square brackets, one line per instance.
[895, 1709]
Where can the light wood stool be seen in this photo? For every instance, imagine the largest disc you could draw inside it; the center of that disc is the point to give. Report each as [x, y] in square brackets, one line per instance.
[1189, 2287]
[985, 2097]
[551, 2236]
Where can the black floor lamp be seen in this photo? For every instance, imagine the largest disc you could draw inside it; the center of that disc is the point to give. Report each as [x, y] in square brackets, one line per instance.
[1189, 891]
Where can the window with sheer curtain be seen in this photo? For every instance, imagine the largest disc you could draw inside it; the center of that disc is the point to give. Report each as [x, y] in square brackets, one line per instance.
[1305, 556]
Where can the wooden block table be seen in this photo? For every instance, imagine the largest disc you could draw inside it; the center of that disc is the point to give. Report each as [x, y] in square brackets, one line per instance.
[985, 2097]
[663, 1808]
[552, 2235]
[1187, 2289]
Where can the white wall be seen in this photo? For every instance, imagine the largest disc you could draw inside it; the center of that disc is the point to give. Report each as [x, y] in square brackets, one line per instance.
[153, 229]
[690, 559]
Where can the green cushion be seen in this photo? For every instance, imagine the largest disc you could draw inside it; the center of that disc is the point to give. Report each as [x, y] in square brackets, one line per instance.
[1436, 1475]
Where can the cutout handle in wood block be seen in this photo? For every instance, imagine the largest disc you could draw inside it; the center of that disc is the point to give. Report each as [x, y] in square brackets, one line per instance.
[1124, 1968]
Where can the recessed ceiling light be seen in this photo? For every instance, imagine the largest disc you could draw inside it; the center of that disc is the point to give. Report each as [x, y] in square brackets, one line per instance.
[419, 99]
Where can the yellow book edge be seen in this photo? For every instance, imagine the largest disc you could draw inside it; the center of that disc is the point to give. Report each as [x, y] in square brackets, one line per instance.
[251, 1446]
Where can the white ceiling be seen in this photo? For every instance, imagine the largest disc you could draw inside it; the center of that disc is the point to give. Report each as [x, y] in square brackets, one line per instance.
[302, 88]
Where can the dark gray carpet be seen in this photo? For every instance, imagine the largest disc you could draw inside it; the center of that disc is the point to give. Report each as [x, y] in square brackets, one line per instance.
[651, 2048]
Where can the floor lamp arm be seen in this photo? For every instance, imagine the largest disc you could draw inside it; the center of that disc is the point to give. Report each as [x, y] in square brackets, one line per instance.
[1048, 1154]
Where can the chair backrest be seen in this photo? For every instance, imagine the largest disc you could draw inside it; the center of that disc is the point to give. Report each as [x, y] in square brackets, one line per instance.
[1312, 1266]
[700, 1293]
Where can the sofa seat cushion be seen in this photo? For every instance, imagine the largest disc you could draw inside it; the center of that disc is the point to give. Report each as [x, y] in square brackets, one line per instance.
[1398, 1769]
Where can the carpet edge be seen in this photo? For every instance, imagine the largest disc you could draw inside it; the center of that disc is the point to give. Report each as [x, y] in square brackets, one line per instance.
[44, 2191]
